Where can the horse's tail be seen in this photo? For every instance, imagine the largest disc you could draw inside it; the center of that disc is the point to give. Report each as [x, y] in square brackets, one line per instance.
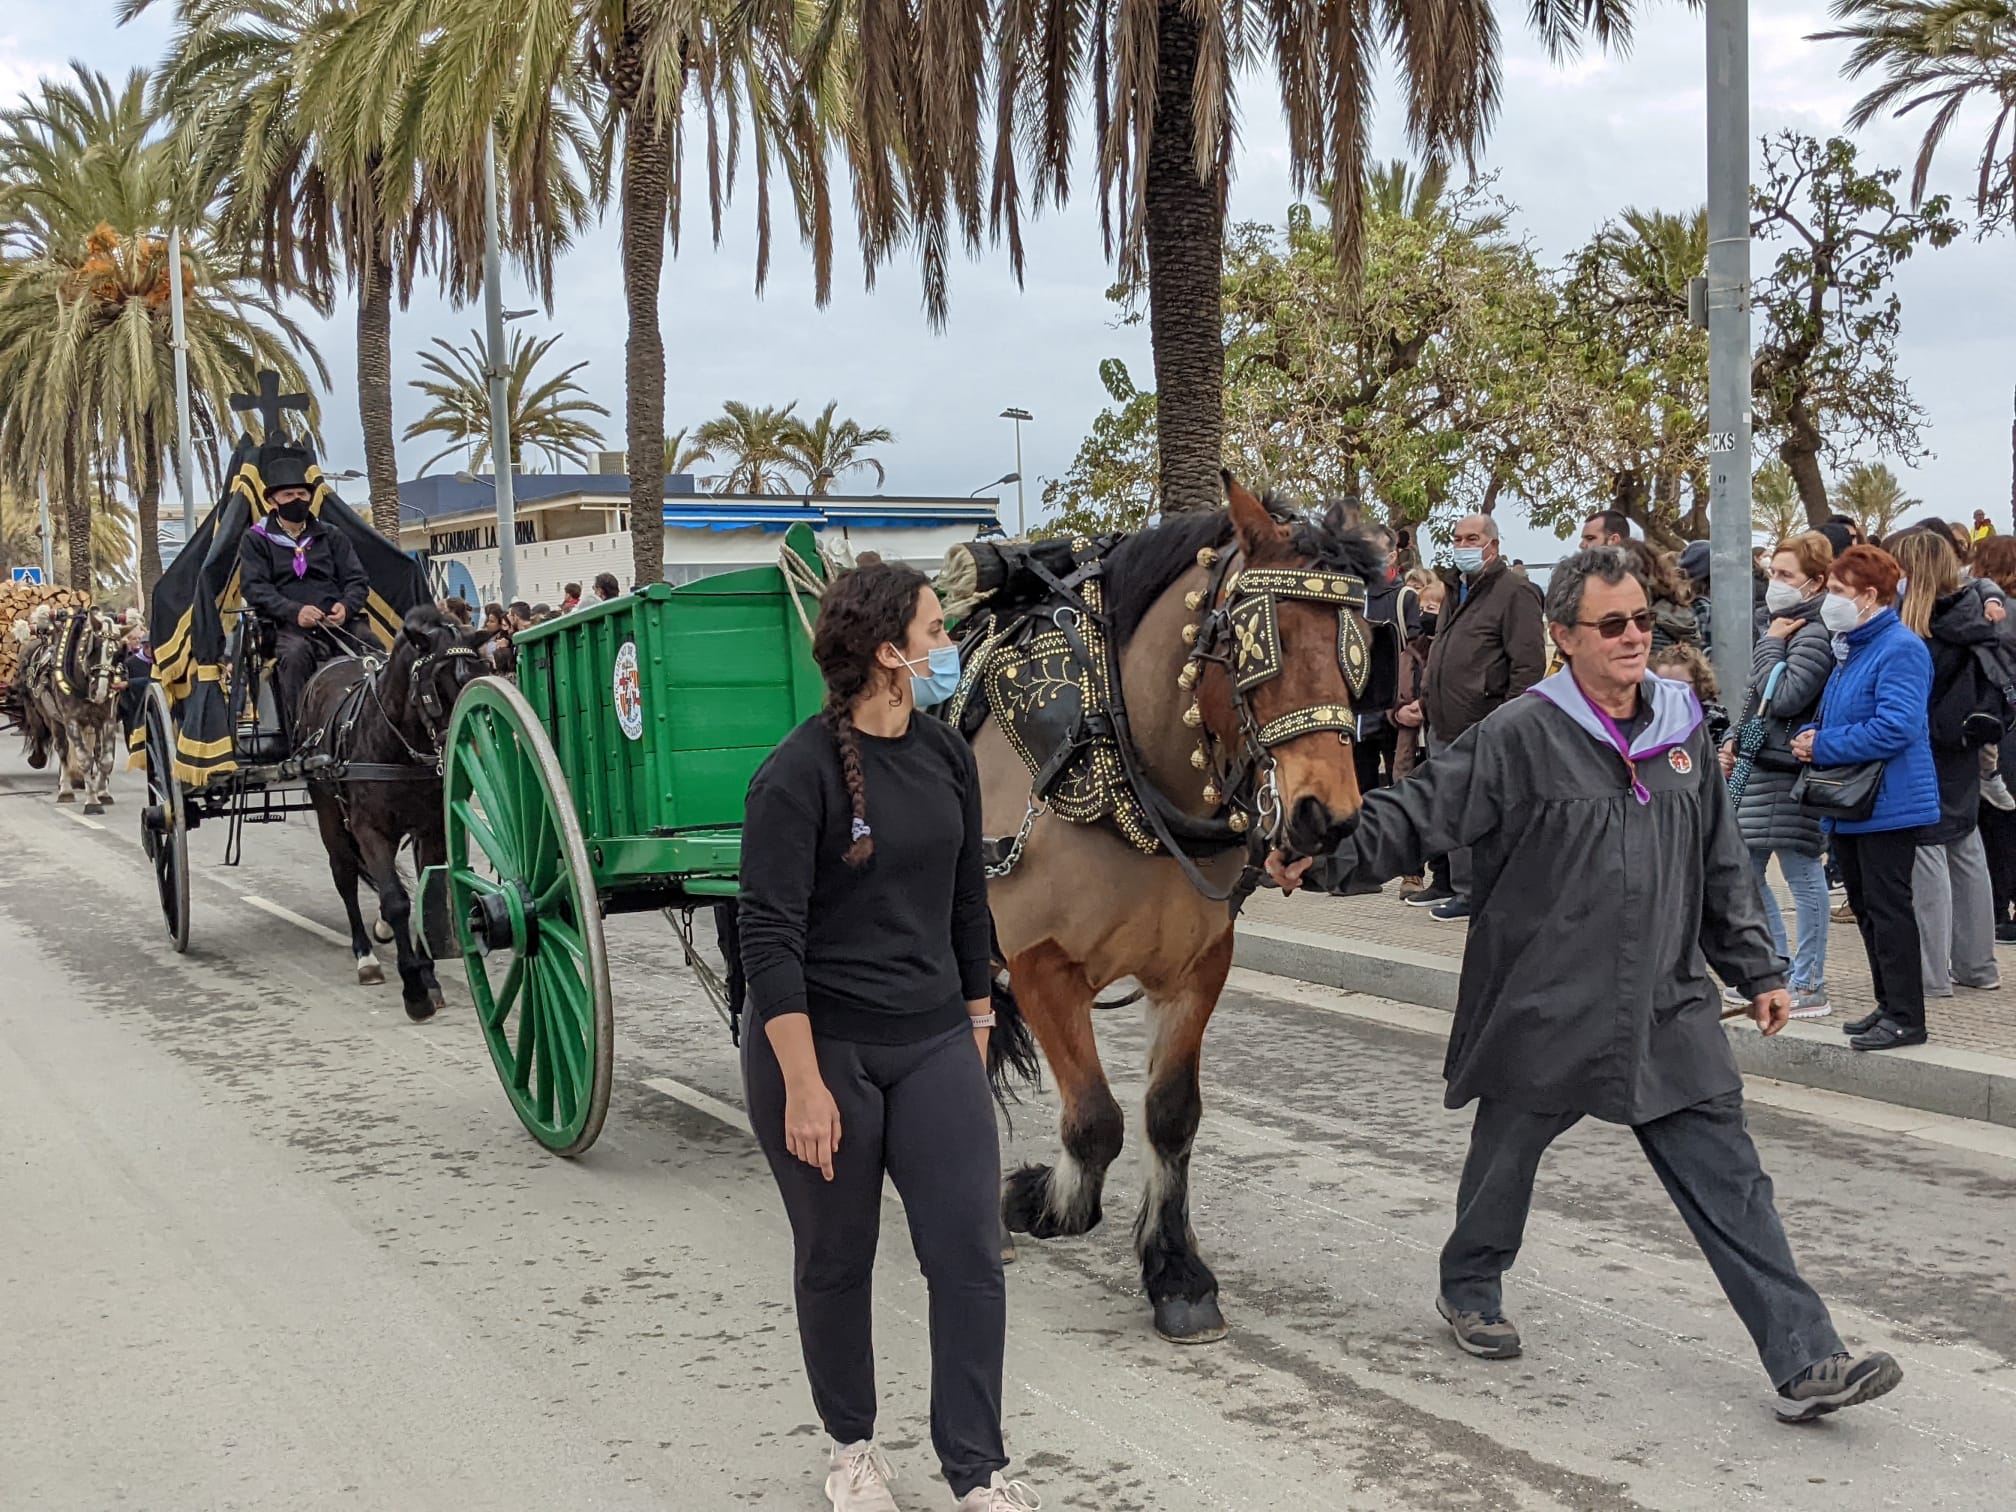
[1012, 1058]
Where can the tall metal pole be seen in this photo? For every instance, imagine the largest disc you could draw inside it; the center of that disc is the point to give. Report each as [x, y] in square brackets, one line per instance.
[48, 537]
[1021, 512]
[1729, 341]
[500, 418]
[185, 468]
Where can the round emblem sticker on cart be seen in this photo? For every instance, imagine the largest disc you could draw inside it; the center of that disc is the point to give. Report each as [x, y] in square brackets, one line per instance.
[1680, 761]
[629, 692]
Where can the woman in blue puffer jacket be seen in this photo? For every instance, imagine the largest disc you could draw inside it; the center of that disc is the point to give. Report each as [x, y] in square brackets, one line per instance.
[1875, 709]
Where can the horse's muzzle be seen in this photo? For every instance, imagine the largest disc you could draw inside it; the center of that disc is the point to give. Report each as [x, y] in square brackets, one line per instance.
[1313, 830]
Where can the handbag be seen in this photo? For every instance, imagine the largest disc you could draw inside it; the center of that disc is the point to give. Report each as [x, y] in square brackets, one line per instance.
[1841, 793]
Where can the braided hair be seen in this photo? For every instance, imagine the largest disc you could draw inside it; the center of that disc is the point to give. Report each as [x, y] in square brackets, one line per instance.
[860, 612]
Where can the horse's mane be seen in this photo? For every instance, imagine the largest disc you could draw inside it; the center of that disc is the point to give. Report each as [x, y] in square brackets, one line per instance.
[1141, 568]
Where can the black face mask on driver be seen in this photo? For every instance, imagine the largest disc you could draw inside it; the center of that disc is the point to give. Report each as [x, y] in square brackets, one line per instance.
[294, 511]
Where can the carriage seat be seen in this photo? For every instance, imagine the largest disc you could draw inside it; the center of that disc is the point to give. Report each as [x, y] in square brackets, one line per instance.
[259, 725]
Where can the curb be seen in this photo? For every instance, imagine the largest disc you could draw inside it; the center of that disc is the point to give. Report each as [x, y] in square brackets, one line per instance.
[1930, 1078]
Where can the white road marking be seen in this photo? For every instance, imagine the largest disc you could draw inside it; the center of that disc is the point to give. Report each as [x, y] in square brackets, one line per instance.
[76, 818]
[713, 1107]
[320, 931]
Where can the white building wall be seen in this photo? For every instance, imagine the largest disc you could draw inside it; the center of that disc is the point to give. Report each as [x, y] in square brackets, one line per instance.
[545, 567]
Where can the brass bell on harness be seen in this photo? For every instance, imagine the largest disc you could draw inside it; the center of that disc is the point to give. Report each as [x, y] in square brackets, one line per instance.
[1208, 557]
[1189, 635]
[1198, 759]
[1238, 823]
[1193, 716]
[1211, 794]
[1187, 678]
[1194, 600]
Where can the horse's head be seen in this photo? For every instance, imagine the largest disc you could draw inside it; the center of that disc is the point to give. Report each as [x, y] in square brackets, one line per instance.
[435, 658]
[1280, 654]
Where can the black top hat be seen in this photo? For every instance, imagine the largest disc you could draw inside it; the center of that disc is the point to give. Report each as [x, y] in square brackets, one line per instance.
[283, 467]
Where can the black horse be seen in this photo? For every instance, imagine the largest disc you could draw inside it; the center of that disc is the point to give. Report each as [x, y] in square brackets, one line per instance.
[369, 739]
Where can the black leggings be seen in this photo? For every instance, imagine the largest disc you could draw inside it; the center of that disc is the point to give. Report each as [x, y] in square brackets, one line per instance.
[1877, 868]
[921, 1113]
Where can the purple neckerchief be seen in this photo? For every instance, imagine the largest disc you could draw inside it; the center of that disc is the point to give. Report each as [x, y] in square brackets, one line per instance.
[1676, 715]
[299, 548]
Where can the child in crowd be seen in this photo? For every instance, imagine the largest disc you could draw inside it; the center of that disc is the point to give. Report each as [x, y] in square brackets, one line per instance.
[1684, 663]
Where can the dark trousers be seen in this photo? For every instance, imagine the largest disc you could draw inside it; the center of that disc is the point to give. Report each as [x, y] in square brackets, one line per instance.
[923, 1114]
[1998, 837]
[1877, 870]
[1373, 755]
[296, 655]
[1704, 1158]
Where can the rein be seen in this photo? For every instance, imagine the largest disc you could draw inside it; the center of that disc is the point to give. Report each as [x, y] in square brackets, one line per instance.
[424, 765]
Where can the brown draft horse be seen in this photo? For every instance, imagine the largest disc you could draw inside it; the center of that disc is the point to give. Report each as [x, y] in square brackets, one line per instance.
[1084, 908]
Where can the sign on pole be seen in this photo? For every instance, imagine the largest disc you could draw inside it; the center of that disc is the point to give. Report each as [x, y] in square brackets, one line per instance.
[28, 575]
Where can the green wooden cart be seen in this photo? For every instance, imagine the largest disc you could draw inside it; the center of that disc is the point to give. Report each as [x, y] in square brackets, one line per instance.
[608, 776]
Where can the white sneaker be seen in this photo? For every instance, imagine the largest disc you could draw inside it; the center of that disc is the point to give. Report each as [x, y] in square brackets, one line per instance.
[1996, 790]
[1000, 1495]
[859, 1480]
[1734, 998]
[1811, 1002]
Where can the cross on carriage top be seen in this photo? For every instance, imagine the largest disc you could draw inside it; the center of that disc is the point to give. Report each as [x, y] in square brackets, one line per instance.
[271, 405]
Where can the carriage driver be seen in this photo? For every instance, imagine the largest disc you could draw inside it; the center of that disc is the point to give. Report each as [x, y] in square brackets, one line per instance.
[297, 572]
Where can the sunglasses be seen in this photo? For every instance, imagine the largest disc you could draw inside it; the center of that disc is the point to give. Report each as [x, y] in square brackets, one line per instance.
[1611, 626]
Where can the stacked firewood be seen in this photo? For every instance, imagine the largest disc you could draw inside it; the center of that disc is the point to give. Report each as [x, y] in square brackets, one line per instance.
[17, 602]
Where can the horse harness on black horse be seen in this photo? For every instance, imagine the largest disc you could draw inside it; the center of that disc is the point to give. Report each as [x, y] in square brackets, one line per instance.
[334, 766]
[1049, 673]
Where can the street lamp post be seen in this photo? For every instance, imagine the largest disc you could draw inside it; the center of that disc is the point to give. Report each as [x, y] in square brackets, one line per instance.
[48, 536]
[1018, 415]
[185, 465]
[500, 418]
[1728, 292]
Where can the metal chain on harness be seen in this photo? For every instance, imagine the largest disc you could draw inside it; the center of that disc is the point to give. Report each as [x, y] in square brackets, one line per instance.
[1009, 861]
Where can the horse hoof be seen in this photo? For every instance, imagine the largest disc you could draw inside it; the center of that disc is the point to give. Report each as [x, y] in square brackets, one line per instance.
[381, 932]
[66, 797]
[369, 972]
[93, 808]
[1182, 1322]
[106, 799]
[425, 1008]
[38, 760]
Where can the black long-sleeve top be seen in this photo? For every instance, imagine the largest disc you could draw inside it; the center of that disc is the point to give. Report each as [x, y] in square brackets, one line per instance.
[331, 573]
[888, 953]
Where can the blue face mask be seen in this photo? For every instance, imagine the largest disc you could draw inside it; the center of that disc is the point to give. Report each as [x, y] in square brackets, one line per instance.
[940, 682]
[1469, 560]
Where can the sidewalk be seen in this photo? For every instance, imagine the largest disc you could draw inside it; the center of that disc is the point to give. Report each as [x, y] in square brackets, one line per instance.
[1377, 946]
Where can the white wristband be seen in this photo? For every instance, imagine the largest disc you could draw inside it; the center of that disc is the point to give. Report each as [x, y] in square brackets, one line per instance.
[980, 1020]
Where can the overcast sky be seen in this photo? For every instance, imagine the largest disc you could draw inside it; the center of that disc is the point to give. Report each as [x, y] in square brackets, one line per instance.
[1573, 146]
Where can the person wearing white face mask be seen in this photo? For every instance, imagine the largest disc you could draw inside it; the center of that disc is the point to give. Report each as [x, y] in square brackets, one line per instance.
[1874, 710]
[1489, 648]
[1793, 660]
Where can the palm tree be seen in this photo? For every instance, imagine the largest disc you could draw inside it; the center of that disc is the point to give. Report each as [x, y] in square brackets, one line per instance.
[637, 65]
[1398, 191]
[1779, 509]
[826, 449]
[756, 442]
[86, 366]
[1943, 54]
[1872, 497]
[1162, 76]
[545, 412]
[681, 455]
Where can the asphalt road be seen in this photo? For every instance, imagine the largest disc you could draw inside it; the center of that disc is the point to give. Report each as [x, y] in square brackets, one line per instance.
[264, 1244]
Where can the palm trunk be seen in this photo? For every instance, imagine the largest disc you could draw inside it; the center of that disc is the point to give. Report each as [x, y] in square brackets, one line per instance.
[150, 509]
[1185, 229]
[374, 391]
[646, 191]
[76, 511]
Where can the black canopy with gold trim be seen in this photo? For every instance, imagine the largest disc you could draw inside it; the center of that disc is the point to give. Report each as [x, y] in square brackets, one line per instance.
[196, 603]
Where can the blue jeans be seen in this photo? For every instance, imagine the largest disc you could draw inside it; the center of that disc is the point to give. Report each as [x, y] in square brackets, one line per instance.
[1807, 877]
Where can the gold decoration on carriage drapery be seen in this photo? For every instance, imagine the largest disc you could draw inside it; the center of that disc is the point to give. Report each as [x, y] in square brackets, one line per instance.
[1039, 690]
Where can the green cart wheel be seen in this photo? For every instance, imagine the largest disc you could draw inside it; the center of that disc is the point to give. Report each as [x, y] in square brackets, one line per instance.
[164, 825]
[527, 916]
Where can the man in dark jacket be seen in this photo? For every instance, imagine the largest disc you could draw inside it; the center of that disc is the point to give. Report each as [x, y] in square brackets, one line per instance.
[1394, 614]
[297, 574]
[1599, 817]
[1489, 648]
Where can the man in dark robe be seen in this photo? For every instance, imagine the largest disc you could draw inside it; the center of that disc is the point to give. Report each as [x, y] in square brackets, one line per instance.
[1597, 813]
[298, 574]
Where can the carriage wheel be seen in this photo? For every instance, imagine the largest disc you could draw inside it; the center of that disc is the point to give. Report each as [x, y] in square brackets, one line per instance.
[527, 917]
[164, 828]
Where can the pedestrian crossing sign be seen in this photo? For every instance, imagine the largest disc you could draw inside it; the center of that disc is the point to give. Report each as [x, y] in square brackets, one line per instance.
[28, 575]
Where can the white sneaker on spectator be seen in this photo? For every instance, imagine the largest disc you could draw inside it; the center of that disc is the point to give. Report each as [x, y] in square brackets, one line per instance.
[1734, 998]
[1996, 790]
[1000, 1495]
[859, 1480]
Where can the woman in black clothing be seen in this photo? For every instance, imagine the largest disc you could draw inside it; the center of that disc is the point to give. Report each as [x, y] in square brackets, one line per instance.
[868, 952]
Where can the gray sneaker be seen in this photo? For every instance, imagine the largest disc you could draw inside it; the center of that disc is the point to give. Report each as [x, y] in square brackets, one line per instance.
[1489, 1336]
[1811, 1002]
[1839, 1381]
